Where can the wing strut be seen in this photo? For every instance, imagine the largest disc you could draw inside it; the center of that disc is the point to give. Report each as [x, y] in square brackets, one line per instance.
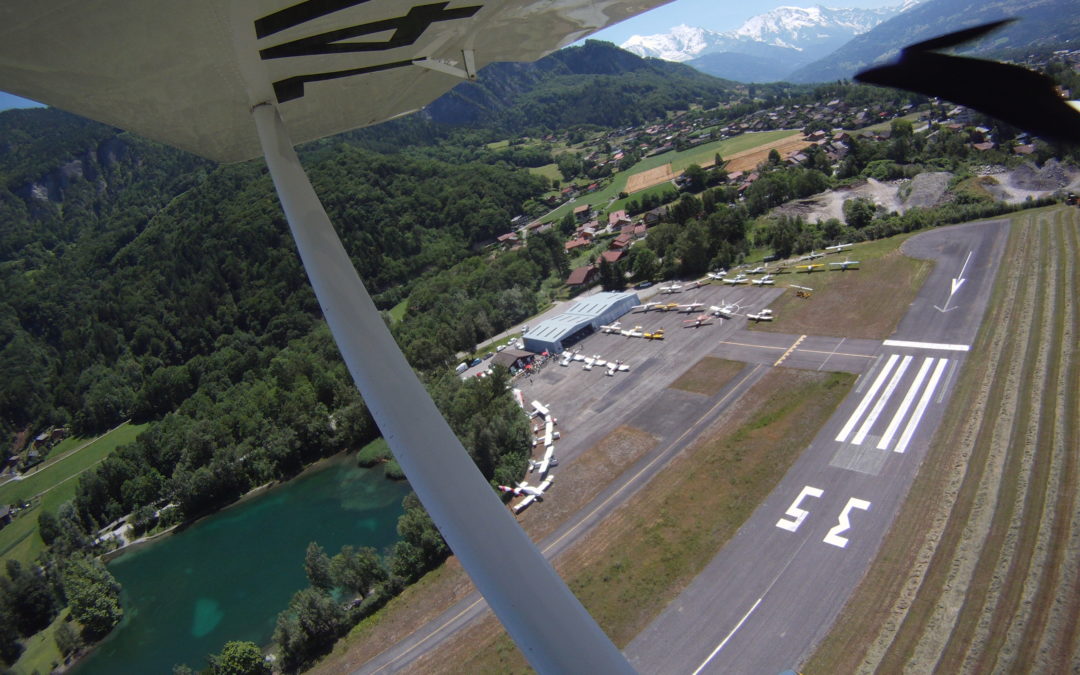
[549, 624]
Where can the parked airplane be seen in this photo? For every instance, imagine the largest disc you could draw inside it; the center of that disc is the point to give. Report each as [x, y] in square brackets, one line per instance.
[611, 327]
[702, 320]
[671, 288]
[814, 255]
[542, 465]
[692, 307]
[540, 409]
[616, 366]
[727, 311]
[718, 276]
[669, 307]
[811, 267]
[766, 280]
[697, 283]
[763, 315]
[845, 264]
[531, 492]
[760, 269]
[657, 334]
[633, 332]
[646, 307]
[838, 248]
[740, 279]
[780, 269]
[802, 291]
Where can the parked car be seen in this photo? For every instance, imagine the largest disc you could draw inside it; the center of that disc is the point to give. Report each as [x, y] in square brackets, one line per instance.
[643, 284]
[474, 362]
[488, 355]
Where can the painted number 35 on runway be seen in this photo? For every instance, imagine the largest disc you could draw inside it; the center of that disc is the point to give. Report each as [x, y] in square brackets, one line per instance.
[797, 515]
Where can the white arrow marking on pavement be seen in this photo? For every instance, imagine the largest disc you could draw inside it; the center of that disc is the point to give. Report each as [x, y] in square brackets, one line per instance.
[957, 282]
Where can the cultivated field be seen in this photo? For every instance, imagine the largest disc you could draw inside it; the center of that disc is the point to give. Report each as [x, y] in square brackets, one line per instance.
[646, 179]
[981, 571]
[747, 160]
[740, 160]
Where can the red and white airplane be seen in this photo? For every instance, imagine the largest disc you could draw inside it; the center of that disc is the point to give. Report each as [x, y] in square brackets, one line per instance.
[702, 320]
[531, 492]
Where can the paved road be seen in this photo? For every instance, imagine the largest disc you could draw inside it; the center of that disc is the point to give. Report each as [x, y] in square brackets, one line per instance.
[774, 591]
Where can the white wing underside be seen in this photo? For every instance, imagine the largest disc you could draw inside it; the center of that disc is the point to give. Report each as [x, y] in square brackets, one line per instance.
[188, 73]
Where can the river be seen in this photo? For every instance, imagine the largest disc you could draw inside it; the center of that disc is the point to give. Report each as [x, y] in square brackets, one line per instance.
[227, 577]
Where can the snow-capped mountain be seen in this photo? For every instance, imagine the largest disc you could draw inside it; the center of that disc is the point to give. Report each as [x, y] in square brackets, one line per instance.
[768, 45]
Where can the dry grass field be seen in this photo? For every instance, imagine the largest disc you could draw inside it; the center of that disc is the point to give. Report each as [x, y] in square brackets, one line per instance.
[864, 303]
[981, 571]
[646, 179]
[747, 160]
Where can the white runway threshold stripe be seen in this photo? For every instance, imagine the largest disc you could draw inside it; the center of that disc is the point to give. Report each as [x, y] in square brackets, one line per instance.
[857, 415]
[905, 437]
[927, 345]
[880, 393]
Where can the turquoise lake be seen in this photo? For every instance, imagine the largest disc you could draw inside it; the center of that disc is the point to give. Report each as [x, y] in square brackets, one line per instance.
[227, 577]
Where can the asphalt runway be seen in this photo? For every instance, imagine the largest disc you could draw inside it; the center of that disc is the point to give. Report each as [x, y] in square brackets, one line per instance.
[774, 590]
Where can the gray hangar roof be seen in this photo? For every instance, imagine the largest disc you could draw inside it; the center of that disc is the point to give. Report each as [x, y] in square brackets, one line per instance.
[582, 318]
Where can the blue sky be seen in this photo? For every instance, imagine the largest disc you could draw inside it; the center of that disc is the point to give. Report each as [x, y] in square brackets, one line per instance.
[718, 15]
[12, 101]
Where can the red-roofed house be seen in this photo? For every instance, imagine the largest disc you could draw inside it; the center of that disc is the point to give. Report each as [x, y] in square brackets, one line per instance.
[575, 244]
[618, 219]
[622, 241]
[612, 256]
[582, 276]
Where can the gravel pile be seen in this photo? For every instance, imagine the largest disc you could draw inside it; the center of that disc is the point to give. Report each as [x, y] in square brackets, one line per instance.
[1050, 177]
[927, 189]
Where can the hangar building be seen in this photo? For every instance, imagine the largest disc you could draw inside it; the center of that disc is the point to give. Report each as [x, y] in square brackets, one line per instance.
[581, 319]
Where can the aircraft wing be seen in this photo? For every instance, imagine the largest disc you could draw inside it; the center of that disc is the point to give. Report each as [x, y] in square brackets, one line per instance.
[188, 73]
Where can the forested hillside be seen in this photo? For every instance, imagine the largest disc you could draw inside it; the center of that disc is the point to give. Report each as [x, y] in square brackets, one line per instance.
[595, 83]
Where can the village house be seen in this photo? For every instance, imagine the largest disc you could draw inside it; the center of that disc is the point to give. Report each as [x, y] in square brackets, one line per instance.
[581, 277]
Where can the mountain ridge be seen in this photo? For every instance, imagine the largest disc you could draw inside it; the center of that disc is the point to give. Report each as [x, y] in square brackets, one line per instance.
[767, 46]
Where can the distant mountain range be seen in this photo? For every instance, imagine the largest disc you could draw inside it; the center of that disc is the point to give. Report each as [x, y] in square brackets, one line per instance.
[1042, 24]
[767, 47]
[819, 44]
